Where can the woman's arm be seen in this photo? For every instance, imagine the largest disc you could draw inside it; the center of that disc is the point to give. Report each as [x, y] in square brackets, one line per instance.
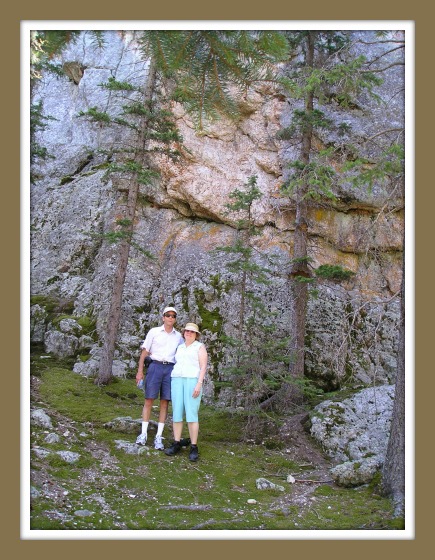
[203, 358]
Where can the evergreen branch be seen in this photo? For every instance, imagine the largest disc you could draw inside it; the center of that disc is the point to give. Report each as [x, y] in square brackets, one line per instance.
[380, 70]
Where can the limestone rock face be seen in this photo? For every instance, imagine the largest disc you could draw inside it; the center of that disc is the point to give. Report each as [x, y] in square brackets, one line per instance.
[182, 217]
[354, 432]
[356, 428]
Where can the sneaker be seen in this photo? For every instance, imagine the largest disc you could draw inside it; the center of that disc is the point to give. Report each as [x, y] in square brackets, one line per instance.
[141, 439]
[193, 455]
[158, 444]
[174, 449]
[185, 442]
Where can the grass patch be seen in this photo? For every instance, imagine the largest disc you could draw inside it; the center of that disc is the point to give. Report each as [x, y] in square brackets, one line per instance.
[81, 400]
[151, 491]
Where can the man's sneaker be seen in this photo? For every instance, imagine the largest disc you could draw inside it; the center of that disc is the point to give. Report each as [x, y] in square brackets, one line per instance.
[141, 439]
[185, 442]
[158, 444]
[193, 455]
[174, 449]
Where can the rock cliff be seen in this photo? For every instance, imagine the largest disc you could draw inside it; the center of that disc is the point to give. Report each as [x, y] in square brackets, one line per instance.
[182, 217]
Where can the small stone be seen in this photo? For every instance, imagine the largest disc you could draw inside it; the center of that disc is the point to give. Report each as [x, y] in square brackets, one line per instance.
[83, 513]
[69, 456]
[52, 438]
[264, 484]
[252, 501]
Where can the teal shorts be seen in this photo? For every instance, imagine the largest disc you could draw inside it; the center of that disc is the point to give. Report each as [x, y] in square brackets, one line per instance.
[182, 401]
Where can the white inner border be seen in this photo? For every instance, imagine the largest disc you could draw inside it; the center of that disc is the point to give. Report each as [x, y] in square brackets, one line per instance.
[409, 532]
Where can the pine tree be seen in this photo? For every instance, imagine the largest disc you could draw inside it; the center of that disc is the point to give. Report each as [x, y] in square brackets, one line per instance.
[154, 131]
[323, 70]
[259, 359]
[212, 71]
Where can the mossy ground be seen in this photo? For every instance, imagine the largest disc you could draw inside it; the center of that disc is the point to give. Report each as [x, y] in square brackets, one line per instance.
[152, 491]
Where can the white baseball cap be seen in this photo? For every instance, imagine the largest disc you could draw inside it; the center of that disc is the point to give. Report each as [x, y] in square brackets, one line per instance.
[166, 309]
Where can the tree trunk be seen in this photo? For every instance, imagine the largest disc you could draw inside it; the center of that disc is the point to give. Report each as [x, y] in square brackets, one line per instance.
[289, 395]
[393, 473]
[115, 306]
[300, 252]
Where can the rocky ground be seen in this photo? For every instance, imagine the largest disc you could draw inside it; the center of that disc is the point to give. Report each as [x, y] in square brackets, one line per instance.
[298, 446]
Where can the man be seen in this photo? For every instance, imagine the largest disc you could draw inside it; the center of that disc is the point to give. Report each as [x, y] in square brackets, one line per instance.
[160, 345]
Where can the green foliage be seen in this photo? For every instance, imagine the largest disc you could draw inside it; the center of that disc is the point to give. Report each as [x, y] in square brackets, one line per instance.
[213, 69]
[334, 74]
[310, 391]
[94, 115]
[330, 77]
[160, 129]
[210, 320]
[389, 167]
[114, 85]
[259, 360]
[334, 272]
[46, 45]
[38, 122]
[315, 178]
[132, 167]
[124, 232]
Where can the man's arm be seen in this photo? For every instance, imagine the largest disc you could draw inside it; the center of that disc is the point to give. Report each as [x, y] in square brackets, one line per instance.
[143, 355]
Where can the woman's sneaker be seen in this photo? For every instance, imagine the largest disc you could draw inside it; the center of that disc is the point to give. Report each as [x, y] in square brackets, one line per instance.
[158, 444]
[141, 439]
[174, 448]
[193, 455]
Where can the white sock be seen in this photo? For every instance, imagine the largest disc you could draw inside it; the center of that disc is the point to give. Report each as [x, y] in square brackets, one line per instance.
[145, 427]
[160, 428]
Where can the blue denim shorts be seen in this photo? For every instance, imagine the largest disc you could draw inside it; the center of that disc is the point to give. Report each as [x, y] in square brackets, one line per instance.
[182, 401]
[158, 381]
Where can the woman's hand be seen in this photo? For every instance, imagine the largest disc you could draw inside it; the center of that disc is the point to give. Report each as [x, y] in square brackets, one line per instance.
[197, 390]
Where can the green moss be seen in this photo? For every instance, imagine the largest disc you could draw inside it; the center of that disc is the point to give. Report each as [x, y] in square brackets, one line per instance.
[67, 179]
[47, 302]
[220, 287]
[185, 298]
[210, 320]
[88, 324]
[324, 490]
[143, 491]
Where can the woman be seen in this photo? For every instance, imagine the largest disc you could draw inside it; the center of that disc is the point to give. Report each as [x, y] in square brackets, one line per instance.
[186, 388]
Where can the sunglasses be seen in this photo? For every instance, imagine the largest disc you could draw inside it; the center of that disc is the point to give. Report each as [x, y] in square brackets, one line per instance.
[170, 315]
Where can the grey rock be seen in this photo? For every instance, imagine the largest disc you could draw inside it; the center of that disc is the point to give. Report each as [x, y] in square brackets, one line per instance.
[131, 448]
[40, 452]
[34, 493]
[83, 513]
[69, 456]
[60, 344]
[356, 428]
[40, 418]
[264, 484]
[52, 438]
[355, 473]
[38, 317]
[87, 369]
[70, 326]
